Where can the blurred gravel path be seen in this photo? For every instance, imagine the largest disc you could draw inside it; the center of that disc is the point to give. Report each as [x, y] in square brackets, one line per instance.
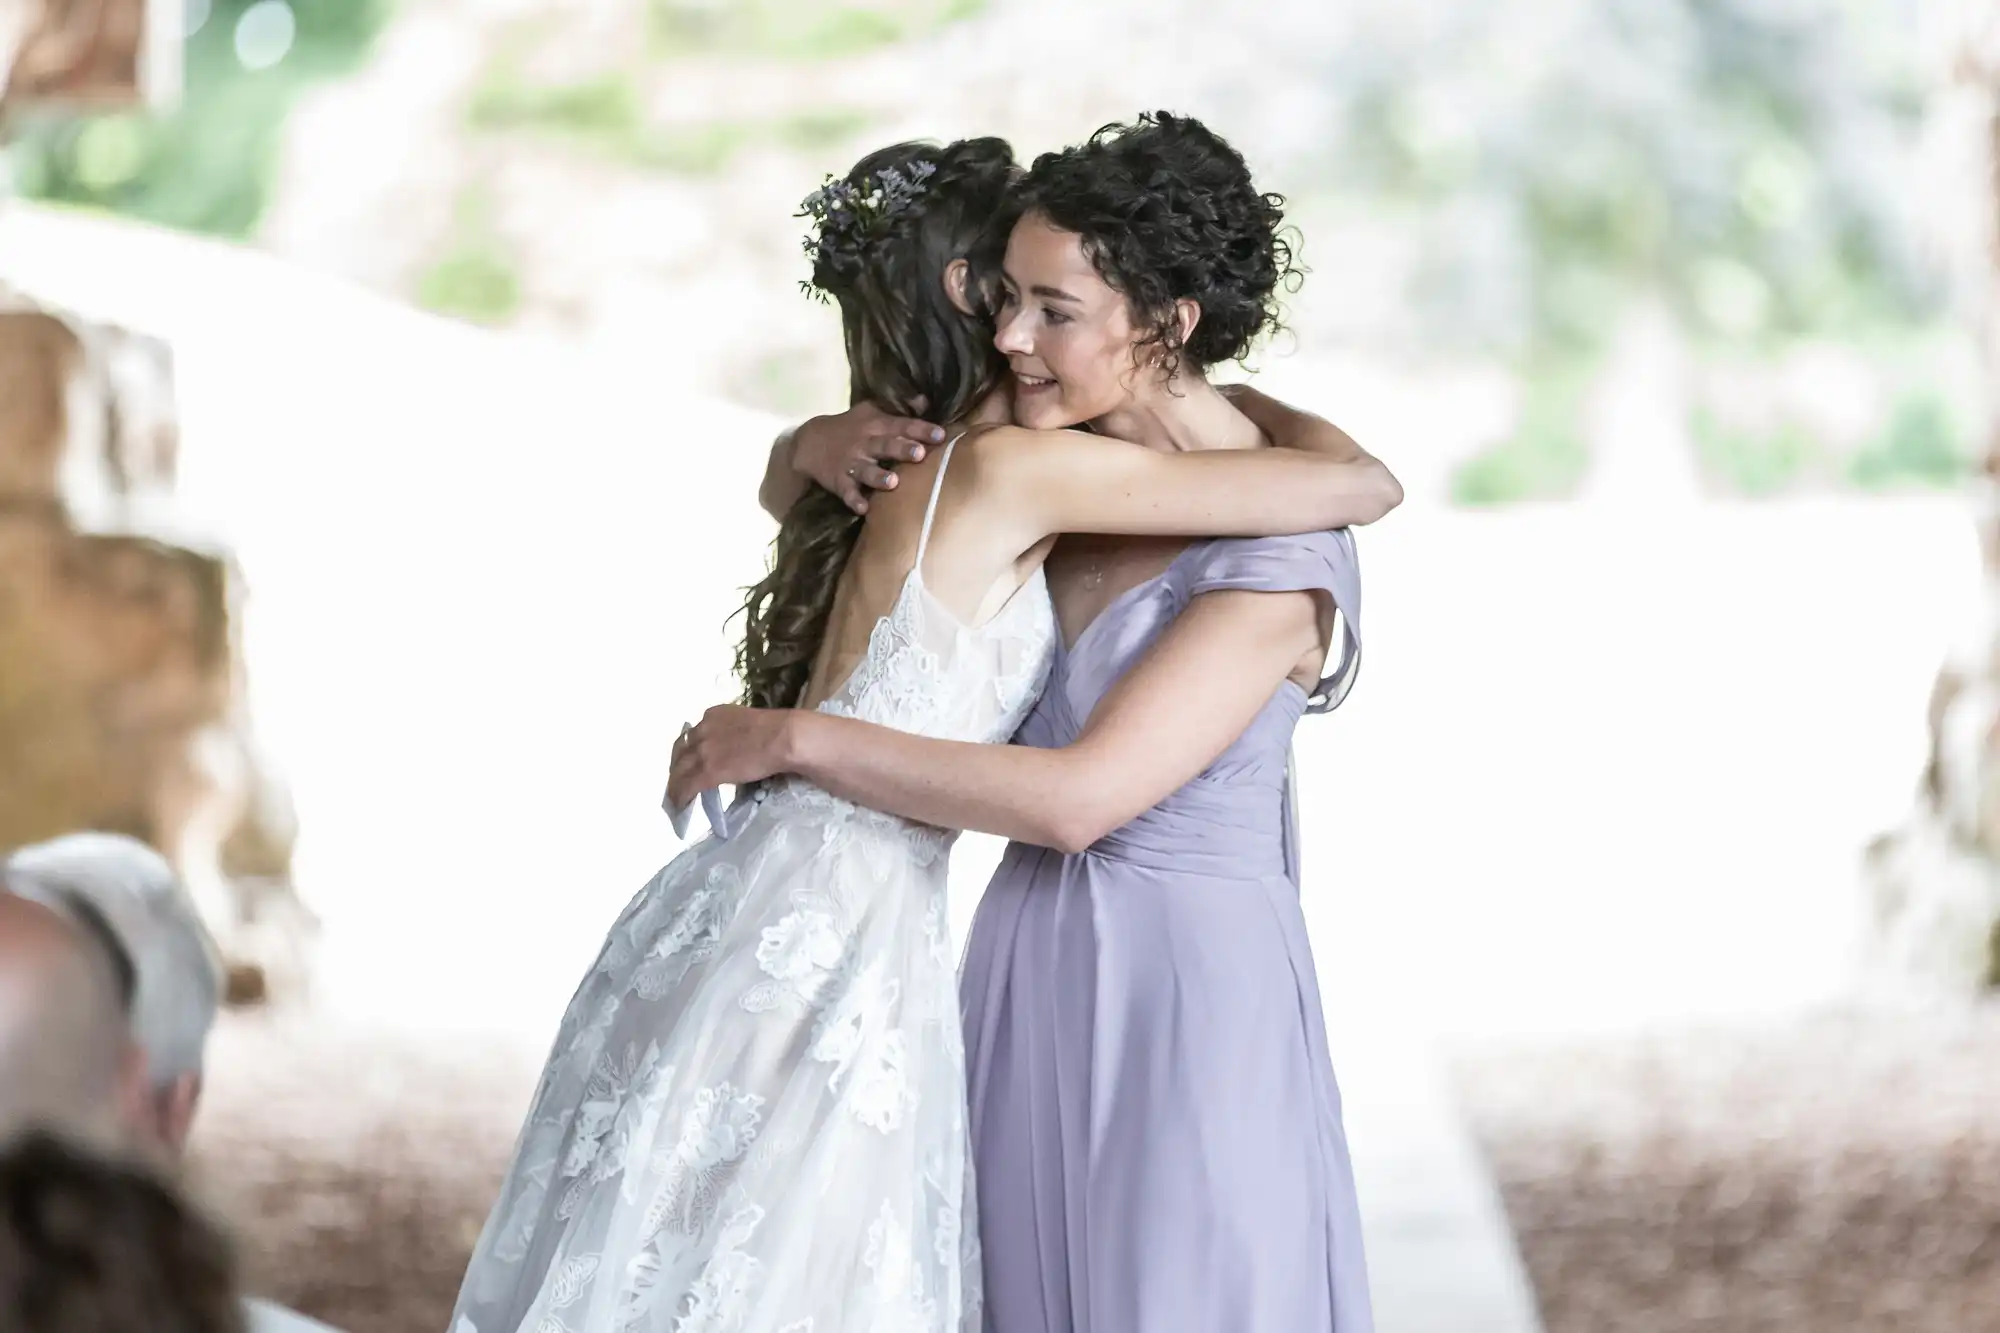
[1841, 1174]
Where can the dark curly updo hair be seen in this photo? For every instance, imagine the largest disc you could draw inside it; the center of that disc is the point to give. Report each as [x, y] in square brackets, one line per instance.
[884, 236]
[1167, 212]
[90, 1244]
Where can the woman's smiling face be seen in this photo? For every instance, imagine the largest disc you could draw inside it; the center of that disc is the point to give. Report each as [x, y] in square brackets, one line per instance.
[1067, 334]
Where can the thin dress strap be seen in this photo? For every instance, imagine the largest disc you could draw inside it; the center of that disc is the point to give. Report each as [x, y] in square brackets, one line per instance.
[930, 510]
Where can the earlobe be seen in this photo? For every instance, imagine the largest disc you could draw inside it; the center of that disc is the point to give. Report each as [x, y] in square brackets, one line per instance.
[1187, 316]
[135, 1094]
[957, 274]
[177, 1106]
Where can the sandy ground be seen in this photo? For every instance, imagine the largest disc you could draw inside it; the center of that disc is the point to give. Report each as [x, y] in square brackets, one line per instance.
[1837, 1174]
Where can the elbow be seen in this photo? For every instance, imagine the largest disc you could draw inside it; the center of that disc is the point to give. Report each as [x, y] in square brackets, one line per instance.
[1071, 838]
[1077, 801]
[1075, 828]
[769, 498]
[1385, 493]
[1354, 494]
[1392, 493]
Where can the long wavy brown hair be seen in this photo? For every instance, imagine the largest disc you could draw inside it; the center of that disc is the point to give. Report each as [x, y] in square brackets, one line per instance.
[906, 344]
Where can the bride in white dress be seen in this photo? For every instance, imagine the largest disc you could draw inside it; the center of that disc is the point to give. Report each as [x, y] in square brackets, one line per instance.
[753, 1118]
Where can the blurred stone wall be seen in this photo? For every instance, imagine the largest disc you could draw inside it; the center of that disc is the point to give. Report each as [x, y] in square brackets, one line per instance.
[121, 700]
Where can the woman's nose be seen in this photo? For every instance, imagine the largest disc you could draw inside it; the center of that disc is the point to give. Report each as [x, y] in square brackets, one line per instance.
[1010, 335]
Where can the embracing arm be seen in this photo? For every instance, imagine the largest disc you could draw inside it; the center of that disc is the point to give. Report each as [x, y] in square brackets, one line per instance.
[1289, 427]
[783, 484]
[1047, 482]
[1170, 717]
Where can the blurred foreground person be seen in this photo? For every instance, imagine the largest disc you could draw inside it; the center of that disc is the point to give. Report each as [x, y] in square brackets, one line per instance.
[121, 901]
[174, 974]
[95, 1243]
[67, 1058]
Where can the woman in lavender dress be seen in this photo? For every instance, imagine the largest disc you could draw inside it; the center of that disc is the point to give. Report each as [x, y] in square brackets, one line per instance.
[1156, 1126]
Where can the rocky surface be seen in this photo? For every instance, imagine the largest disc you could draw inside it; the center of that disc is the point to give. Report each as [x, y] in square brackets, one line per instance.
[122, 681]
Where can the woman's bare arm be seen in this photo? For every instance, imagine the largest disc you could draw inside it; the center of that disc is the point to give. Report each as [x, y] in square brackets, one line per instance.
[1196, 691]
[1290, 427]
[1038, 483]
[783, 484]
[852, 453]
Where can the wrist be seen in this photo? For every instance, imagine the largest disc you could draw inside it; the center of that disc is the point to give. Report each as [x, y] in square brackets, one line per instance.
[799, 741]
[797, 451]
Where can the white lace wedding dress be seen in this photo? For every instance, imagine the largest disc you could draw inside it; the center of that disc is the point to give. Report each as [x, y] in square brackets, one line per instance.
[753, 1119]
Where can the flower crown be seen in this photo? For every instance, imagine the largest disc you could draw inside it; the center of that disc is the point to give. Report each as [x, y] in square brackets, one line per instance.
[846, 219]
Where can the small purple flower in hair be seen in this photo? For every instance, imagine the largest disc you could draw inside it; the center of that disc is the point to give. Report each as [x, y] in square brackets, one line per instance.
[845, 219]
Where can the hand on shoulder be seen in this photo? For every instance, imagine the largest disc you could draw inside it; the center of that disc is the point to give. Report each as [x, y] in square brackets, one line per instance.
[855, 452]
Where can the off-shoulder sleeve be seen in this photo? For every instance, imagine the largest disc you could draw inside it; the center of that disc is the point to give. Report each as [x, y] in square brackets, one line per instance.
[1316, 562]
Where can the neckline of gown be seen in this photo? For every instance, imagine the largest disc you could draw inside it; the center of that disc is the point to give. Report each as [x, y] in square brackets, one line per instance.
[914, 582]
[1066, 651]
[1069, 650]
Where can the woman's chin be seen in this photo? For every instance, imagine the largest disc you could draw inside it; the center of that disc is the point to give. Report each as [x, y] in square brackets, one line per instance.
[1042, 409]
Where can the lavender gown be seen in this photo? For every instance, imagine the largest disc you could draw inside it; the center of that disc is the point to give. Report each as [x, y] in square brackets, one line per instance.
[1154, 1115]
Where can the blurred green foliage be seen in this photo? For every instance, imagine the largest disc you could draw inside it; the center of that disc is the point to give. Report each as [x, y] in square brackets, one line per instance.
[1563, 162]
[209, 165]
[1757, 463]
[710, 148]
[794, 29]
[475, 279]
[1922, 445]
[1546, 456]
[1744, 160]
[603, 110]
[1556, 162]
[604, 115]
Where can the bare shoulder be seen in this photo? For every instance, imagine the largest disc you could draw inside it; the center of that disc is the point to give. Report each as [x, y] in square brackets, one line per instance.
[1016, 454]
[976, 440]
